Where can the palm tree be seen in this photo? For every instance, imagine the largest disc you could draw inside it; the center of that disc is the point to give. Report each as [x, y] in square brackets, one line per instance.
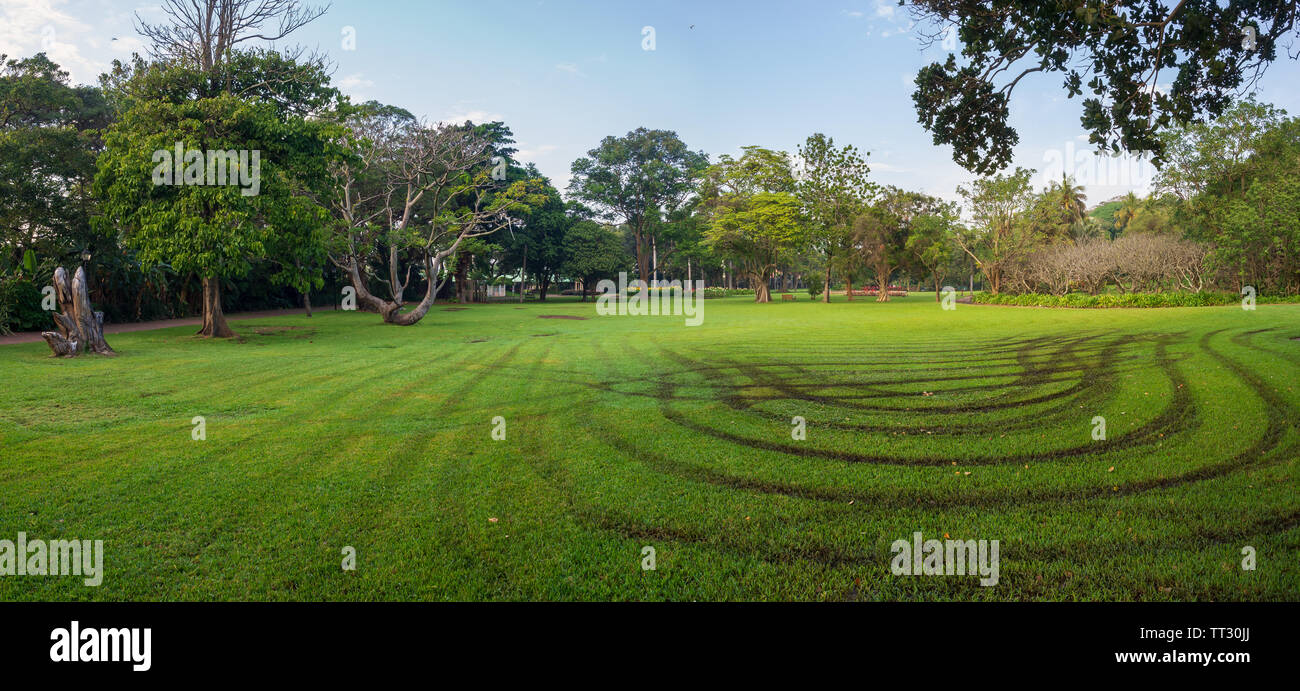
[1072, 199]
[1128, 210]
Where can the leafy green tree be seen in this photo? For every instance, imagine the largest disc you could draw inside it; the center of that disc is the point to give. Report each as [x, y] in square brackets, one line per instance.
[167, 211]
[537, 240]
[1146, 65]
[1127, 211]
[834, 189]
[754, 215]
[212, 91]
[593, 252]
[881, 232]
[1231, 179]
[1000, 236]
[931, 241]
[49, 138]
[1216, 157]
[636, 180]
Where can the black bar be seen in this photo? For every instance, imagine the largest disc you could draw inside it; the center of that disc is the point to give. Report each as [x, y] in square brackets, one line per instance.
[338, 640]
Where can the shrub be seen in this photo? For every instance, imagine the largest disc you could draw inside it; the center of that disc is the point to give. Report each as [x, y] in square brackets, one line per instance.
[1081, 300]
[717, 292]
[20, 307]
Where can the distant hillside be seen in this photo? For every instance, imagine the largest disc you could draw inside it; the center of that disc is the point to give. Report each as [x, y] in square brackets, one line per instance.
[1105, 212]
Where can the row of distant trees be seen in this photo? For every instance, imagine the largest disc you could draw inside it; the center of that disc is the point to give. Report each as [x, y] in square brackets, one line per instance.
[403, 211]
[1224, 213]
[359, 195]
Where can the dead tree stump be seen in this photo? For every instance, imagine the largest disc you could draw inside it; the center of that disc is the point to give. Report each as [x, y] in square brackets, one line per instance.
[80, 329]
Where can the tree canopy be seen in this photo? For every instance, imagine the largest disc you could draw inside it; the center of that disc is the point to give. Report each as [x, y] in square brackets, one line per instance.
[1144, 65]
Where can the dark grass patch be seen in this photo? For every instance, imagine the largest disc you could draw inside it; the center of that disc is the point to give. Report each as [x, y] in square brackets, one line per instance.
[272, 330]
[454, 309]
[560, 316]
[296, 333]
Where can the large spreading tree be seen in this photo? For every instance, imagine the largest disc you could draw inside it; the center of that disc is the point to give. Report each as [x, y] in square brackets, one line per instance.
[1144, 65]
[260, 131]
[408, 198]
[1233, 182]
[210, 90]
[880, 233]
[754, 215]
[637, 180]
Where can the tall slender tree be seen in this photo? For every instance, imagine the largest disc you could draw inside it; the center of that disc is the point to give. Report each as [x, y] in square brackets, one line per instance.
[833, 187]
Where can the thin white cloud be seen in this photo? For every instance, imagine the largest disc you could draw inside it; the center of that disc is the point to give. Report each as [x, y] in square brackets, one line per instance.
[882, 167]
[355, 81]
[532, 153]
[477, 117]
[571, 68]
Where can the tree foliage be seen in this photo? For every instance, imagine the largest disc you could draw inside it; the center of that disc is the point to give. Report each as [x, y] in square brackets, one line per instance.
[754, 215]
[637, 179]
[1144, 65]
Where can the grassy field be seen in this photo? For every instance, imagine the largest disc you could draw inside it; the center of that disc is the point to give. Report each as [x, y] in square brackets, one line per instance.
[624, 432]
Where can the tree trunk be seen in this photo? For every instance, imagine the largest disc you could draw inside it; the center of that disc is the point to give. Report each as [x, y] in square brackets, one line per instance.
[214, 319]
[81, 329]
[396, 316]
[761, 292]
[642, 258]
[463, 292]
[306, 302]
[936, 287]
[848, 285]
[523, 277]
[826, 285]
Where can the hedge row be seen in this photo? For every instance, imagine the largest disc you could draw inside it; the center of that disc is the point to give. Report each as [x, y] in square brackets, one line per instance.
[1081, 300]
[727, 292]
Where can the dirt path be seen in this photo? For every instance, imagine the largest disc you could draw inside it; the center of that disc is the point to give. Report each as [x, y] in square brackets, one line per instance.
[35, 336]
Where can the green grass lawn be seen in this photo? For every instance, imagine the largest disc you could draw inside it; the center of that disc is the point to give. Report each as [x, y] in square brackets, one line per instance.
[624, 432]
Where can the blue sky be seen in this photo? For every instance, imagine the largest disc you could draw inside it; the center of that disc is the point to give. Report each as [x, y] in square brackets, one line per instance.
[563, 74]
